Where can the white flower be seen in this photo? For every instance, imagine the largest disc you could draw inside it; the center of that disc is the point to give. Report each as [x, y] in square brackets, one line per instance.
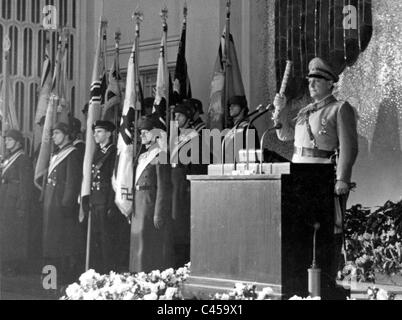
[89, 278]
[170, 293]
[224, 296]
[128, 296]
[239, 288]
[382, 295]
[308, 298]
[265, 293]
[74, 291]
[91, 295]
[167, 273]
[154, 287]
[151, 296]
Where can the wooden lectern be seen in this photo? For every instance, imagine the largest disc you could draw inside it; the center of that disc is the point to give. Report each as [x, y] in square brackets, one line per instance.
[259, 228]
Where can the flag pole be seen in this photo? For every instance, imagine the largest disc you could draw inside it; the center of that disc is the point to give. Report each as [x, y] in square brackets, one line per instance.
[117, 38]
[164, 16]
[138, 18]
[226, 64]
[95, 75]
[4, 121]
[6, 51]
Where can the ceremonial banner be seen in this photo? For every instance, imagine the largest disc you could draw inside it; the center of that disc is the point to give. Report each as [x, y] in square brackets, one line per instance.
[123, 174]
[94, 114]
[181, 85]
[227, 81]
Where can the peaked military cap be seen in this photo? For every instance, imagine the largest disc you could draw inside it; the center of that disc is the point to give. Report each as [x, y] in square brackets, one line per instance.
[149, 122]
[239, 100]
[15, 134]
[161, 107]
[148, 105]
[104, 124]
[63, 127]
[197, 105]
[185, 108]
[318, 68]
[75, 125]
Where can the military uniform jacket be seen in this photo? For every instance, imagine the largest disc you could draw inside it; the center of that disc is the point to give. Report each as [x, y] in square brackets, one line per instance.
[62, 234]
[150, 249]
[16, 187]
[102, 170]
[333, 124]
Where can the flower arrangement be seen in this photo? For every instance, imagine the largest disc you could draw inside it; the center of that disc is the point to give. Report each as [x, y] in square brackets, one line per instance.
[373, 242]
[245, 292]
[140, 286]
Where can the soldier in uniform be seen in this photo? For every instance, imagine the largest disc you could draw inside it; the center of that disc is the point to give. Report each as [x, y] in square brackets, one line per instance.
[16, 188]
[147, 106]
[197, 123]
[151, 244]
[181, 167]
[323, 130]
[76, 135]
[102, 198]
[63, 237]
[236, 138]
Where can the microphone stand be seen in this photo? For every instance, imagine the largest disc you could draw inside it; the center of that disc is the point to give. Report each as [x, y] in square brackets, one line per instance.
[268, 108]
[277, 127]
[223, 148]
[257, 110]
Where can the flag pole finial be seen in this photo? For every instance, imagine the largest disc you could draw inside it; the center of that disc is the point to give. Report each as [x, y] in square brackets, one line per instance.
[185, 10]
[164, 14]
[228, 5]
[138, 16]
[117, 36]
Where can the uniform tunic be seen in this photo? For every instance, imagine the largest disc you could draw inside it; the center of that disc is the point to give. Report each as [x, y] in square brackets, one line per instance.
[188, 145]
[334, 129]
[150, 248]
[62, 234]
[333, 124]
[16, 187]
[101, 201]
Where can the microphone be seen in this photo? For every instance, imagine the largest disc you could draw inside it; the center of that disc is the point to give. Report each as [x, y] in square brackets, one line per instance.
[234, 129]
[268, 108]
[260, 108]
[276, 127]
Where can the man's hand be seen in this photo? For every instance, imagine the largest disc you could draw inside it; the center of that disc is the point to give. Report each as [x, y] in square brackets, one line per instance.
[279, 104]
[341, 188]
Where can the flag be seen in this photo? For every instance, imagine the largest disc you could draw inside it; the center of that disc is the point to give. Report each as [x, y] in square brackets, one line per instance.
[162, 79]
[42, 163]
[123, 174]
[224, 84]
[45, 86]
[8, 113]
[113, 95]
[45, 150]
[94, 114]
[181, 84]
[63, 109]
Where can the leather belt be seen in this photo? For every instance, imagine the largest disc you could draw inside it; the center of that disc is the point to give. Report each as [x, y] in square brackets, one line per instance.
[313, 153]
[144, 188]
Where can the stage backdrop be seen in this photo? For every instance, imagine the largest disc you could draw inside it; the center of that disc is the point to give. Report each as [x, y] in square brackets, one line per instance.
[372, 85]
